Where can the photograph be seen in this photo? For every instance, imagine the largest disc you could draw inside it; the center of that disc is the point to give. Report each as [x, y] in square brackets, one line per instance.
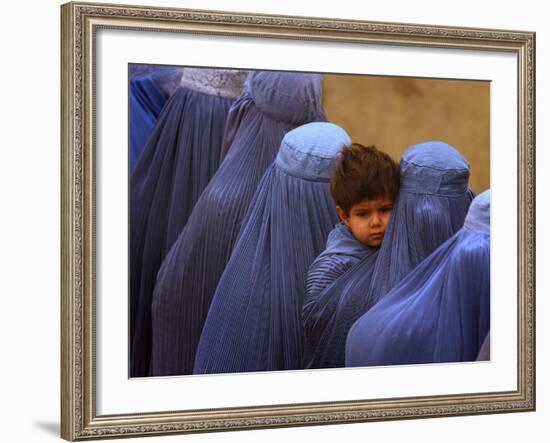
[272, 221]
[275, 221]
[287, 220]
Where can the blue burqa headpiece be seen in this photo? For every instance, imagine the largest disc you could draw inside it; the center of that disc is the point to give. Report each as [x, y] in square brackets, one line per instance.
[190, 273]
[341, 241]
[430, 207]
[254, 320]
[440, 311]
[177, 162]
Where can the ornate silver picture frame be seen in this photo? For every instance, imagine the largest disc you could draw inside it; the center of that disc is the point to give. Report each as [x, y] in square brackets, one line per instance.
[80, 178]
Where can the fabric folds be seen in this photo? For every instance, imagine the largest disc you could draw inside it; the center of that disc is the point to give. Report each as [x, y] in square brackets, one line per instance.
[181, 155]
[343, 251]
[254, 320]
[190, 272]
[440, 311]
[426, 213]
[147, 98]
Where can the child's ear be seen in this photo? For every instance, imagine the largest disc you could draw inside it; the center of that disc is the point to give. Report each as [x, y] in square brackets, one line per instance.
[343, 216]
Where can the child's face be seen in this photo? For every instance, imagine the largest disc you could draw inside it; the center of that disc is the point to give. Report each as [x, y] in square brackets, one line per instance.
[368, 219]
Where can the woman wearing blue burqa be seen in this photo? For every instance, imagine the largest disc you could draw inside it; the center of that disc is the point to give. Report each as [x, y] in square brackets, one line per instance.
[440, 311]
[149, 91]
[180, 157]
[273, 103]
[254, 321]
[431, 206]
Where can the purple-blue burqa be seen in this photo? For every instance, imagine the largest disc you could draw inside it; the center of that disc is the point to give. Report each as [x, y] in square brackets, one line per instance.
[168, 78]
[149, 92]
[430, 207]
[343, 251]
[254, 319]
[273, 104]
[176, 164]
[440, 311]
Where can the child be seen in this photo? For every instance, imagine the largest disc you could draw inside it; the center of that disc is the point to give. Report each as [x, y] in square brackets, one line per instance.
[431, 205]
[364, 187]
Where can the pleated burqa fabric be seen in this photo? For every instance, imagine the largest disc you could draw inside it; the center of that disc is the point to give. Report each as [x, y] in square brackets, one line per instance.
[179, 159]
[343, 251]
[440, 311]
[273, 104]
[430, 207]
[148, 95]
[254, 320]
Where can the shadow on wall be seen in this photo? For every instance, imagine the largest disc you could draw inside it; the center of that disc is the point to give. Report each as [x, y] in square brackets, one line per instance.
[51, 428]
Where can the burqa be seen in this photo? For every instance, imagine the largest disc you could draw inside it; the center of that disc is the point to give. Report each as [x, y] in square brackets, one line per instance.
[180, 157]
[343, 251]
[254, 320]
[430, 207]
[273, 104]
[149, 92]
[440, 311]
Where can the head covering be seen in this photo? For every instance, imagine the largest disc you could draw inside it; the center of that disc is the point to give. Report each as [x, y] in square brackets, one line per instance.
[295, 102]
[430, 207]
[167, 77]
[180, 157]
[440, 311]
[254, 320]
[190, 273]
[226, 83]
[341, 241]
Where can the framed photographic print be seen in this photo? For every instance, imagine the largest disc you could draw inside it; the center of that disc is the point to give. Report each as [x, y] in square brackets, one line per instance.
[281, 221]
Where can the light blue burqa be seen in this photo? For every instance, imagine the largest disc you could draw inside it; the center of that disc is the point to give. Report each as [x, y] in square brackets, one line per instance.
[254, 320]
[273, 103]
[430, 207]
[342, 252]
[440, 311]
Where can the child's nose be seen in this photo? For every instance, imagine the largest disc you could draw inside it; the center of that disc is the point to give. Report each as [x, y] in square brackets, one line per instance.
[375, 219]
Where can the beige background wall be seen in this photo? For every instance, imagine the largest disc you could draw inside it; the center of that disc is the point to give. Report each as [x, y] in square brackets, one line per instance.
[394, 113]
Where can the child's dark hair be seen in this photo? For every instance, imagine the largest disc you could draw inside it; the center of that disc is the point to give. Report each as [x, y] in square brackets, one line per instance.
[363, 172]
